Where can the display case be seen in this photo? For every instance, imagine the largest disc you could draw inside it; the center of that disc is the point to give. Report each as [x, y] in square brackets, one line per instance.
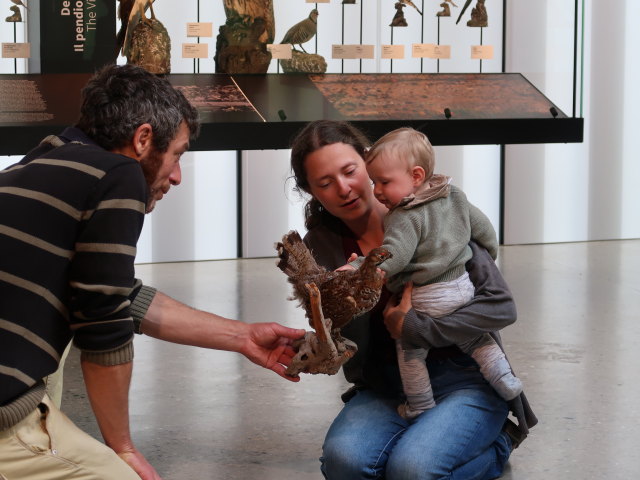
[437, 76]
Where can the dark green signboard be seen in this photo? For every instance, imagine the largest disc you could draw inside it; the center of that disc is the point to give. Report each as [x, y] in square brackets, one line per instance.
[77, 36]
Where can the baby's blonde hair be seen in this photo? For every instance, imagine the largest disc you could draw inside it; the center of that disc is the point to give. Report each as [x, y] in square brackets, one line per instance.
[408, 145]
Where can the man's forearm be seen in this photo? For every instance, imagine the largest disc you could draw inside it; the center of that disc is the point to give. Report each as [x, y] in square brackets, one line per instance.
[170, 320]
[108, 390]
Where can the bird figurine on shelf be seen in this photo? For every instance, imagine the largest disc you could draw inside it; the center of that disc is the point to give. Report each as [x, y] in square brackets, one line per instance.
[131, 13]
[302, 31]
[479, 17]
[446, 10]
[411, 4]
[20, 3]
[330, 300]
[15, 17]
[143, 40]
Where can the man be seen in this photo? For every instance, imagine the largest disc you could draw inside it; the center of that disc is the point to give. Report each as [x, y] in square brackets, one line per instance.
[70, 215]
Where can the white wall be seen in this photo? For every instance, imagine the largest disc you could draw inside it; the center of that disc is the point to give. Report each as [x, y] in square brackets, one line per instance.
[197, 220]
[270, 207]
[576, 192]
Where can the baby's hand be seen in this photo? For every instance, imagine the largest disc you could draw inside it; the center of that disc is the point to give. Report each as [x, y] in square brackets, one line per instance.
[347, 266]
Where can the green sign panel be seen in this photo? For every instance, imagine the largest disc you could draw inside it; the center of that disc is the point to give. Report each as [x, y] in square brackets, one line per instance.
[77, 36]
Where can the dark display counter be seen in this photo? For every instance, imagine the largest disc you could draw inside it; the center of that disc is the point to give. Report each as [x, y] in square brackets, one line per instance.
[251, 112]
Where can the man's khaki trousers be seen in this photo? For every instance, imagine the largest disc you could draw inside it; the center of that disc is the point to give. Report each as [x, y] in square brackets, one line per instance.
[46, 445]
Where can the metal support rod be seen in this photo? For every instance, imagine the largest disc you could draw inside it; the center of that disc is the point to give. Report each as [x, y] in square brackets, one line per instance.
[342, 60]
[422, 38]
[361, 19]
[391, 60]
[575, 55]
[15, 40]
[438, 60]
[481, 30]
[503, 149]
[239, 203]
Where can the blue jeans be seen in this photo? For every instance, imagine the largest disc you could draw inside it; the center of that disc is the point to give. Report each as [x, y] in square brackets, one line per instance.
[460, 438]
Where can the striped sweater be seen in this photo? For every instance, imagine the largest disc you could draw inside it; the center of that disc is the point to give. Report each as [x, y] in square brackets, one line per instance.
[70, 217]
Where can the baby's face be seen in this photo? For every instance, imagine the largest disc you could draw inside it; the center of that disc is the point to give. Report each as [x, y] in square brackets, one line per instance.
[392, 180]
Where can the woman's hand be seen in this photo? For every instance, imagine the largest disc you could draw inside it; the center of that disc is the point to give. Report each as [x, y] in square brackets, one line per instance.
[394, 312]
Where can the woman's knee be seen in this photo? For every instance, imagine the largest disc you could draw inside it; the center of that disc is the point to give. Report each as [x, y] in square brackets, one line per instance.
[340, 461]
[414, 467]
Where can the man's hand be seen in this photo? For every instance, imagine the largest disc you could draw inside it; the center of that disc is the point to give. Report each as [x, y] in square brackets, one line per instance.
[139, 464]
[395, 311]
[269, 345]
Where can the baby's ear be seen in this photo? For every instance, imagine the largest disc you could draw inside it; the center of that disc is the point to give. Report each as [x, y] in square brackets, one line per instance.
[419, 175]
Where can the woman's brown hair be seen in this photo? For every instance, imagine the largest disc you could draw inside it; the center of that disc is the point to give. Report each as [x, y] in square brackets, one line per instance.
[313, 137]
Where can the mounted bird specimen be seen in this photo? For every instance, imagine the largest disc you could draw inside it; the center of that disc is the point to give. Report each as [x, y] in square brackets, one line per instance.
[411, 4]
[330, 300]
[446, 10]
[20, 3]
[398, 19]
[479, 16]
[131, 13]
[302, 31]
[143, 40]
[16, 16]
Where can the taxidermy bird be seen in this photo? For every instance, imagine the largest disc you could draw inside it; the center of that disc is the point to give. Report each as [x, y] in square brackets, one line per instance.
[330, 300]
[478, 14]
[302, 31]
[144, 41]
[131, 13]
[446, 10]
[19, 3]
[16, 17]
[464, 9]
[411, 4]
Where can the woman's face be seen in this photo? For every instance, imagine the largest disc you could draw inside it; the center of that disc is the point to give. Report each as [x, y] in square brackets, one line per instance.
[338, 179]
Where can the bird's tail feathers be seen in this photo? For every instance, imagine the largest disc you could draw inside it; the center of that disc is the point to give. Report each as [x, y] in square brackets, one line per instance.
[294, 256]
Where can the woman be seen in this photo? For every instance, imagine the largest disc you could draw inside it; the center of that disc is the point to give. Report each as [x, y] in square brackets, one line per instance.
[467, 435]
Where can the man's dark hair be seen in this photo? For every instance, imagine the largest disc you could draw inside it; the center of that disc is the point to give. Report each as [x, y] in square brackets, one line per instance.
[120, 98]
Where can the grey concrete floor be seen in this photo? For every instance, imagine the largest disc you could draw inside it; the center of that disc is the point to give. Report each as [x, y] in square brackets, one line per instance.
[208, 415]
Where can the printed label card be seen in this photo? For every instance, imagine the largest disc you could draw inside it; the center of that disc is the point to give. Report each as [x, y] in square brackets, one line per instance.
[393, 51]
[195, 50]
[352, 51]
[16, 50]
[200, 29]
[481, 52]
[441, 52]
[280, 50]
[422, 50]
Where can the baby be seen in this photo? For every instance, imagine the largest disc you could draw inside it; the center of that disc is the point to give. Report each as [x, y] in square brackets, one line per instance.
[428, 229]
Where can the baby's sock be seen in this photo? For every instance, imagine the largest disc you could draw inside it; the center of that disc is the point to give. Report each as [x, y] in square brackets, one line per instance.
[496, 370]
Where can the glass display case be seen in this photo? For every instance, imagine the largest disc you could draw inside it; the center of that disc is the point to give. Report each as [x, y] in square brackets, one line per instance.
[436, 72]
